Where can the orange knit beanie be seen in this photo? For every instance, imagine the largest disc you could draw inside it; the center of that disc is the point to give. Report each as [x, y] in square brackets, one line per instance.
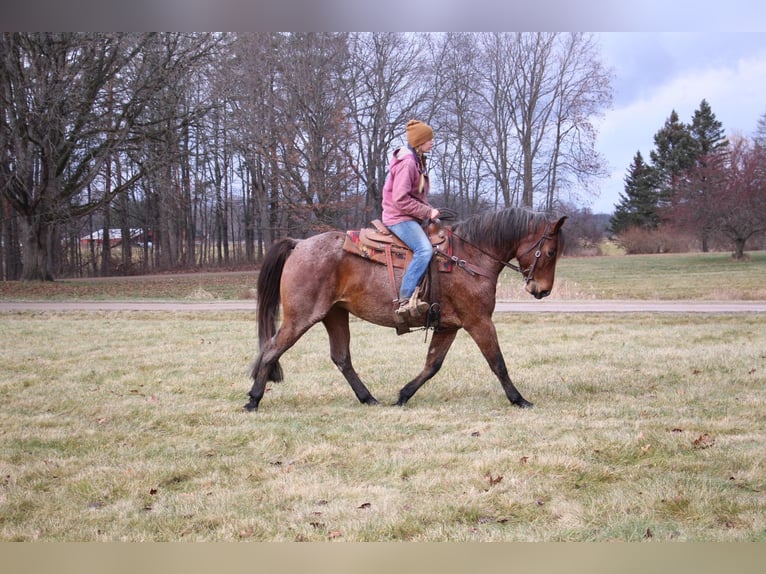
[418, 133]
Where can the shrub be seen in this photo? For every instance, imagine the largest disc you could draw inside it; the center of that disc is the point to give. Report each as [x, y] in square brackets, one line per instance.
[664, 239]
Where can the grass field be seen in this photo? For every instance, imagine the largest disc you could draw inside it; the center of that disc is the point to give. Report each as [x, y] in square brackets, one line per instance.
[127, 426]
[712, 276]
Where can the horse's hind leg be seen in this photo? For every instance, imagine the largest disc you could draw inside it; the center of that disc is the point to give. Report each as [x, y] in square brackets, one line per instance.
[272, 350]
[437, 350]
[336, 323]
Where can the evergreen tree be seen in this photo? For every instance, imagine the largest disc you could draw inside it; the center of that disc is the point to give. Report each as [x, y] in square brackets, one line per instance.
[638, 206]
[708, 131]
[676, 151]
[700, 186]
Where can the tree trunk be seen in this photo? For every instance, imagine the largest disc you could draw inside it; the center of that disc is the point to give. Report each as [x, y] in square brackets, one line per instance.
[739, 249]
[35, 249]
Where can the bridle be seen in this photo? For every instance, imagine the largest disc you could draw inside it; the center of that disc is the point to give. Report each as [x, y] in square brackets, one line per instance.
[539, 251]
[527, 274]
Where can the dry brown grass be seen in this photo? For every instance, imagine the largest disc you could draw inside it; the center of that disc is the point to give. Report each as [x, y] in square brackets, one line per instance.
[127, 426]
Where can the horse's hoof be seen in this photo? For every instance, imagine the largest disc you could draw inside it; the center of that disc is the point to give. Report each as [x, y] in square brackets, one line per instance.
[250, 407]
[371, 402]
[524, 404]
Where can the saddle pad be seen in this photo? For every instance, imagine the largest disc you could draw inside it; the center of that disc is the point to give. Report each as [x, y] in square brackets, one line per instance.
[365, 243]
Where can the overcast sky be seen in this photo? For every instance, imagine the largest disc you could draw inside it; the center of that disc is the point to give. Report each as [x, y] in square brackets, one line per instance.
[656, 73]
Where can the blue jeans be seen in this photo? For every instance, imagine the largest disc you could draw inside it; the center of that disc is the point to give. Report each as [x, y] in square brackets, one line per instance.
[413, 235]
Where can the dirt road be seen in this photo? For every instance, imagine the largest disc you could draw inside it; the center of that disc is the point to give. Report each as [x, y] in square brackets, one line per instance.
[531, 306]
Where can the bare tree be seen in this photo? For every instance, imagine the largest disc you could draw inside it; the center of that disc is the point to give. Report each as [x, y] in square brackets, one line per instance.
[385, 90]
[316, 134]
[250, 78]
[583, 92]
[54, 136]
[70, 102]
[725, 194]
[539, 92]
[458, 155]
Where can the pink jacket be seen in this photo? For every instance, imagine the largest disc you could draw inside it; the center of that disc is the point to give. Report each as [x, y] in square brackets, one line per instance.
[402, 199]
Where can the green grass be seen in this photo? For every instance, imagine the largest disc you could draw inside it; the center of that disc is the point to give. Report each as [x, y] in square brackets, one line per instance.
[706, 276]
[127, 426]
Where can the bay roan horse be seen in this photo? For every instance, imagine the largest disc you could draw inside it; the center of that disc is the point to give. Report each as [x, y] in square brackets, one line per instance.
[317, 281]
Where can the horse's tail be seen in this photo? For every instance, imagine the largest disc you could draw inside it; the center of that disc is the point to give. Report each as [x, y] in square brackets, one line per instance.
[268, 297]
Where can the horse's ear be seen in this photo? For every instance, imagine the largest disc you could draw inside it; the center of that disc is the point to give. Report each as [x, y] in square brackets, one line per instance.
[559, 223]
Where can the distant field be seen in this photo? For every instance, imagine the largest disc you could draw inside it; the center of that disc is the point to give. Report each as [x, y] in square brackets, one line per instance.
[711, 276]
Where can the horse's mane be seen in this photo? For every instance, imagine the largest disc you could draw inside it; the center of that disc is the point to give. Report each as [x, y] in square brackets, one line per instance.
[499, 227]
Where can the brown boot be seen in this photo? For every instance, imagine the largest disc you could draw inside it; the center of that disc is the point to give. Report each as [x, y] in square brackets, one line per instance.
[417, 308]
[402, 316]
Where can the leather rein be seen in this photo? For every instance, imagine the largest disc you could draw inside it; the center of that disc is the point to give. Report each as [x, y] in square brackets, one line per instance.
[474, 270]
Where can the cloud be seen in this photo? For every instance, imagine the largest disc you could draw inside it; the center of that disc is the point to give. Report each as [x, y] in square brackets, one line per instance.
[734, 89]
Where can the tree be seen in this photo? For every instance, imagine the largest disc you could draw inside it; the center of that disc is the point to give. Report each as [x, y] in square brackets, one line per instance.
[384, 91]
[69, 103]
[55, 134]
[712, 147]
[538, 94]
[708, 131]
[734, 201]
[457, 159]
[638, 205]
[760, 132]
[676, 151]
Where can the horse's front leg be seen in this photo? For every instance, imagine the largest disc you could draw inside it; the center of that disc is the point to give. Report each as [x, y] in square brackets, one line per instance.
[437, 350]
[485, 336]
[336, 323]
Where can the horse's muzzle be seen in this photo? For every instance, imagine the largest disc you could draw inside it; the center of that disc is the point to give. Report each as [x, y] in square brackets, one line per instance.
[537, 293]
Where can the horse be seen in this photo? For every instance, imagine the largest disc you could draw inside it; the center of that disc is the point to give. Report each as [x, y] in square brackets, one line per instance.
[316, 280]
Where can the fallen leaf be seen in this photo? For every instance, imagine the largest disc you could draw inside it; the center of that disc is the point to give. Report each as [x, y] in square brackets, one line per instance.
[703, 441]
[524, 460]
[364, 505]
[475, 433]
[648, 533]
[152, 491]
[494, 480]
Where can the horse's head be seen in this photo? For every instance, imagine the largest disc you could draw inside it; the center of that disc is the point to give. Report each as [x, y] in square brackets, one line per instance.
[537, 255]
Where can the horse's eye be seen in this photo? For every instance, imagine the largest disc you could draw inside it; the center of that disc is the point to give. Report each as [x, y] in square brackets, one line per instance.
[551, 253]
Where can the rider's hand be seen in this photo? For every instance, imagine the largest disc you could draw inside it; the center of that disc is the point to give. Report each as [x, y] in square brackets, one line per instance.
[434, 213]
